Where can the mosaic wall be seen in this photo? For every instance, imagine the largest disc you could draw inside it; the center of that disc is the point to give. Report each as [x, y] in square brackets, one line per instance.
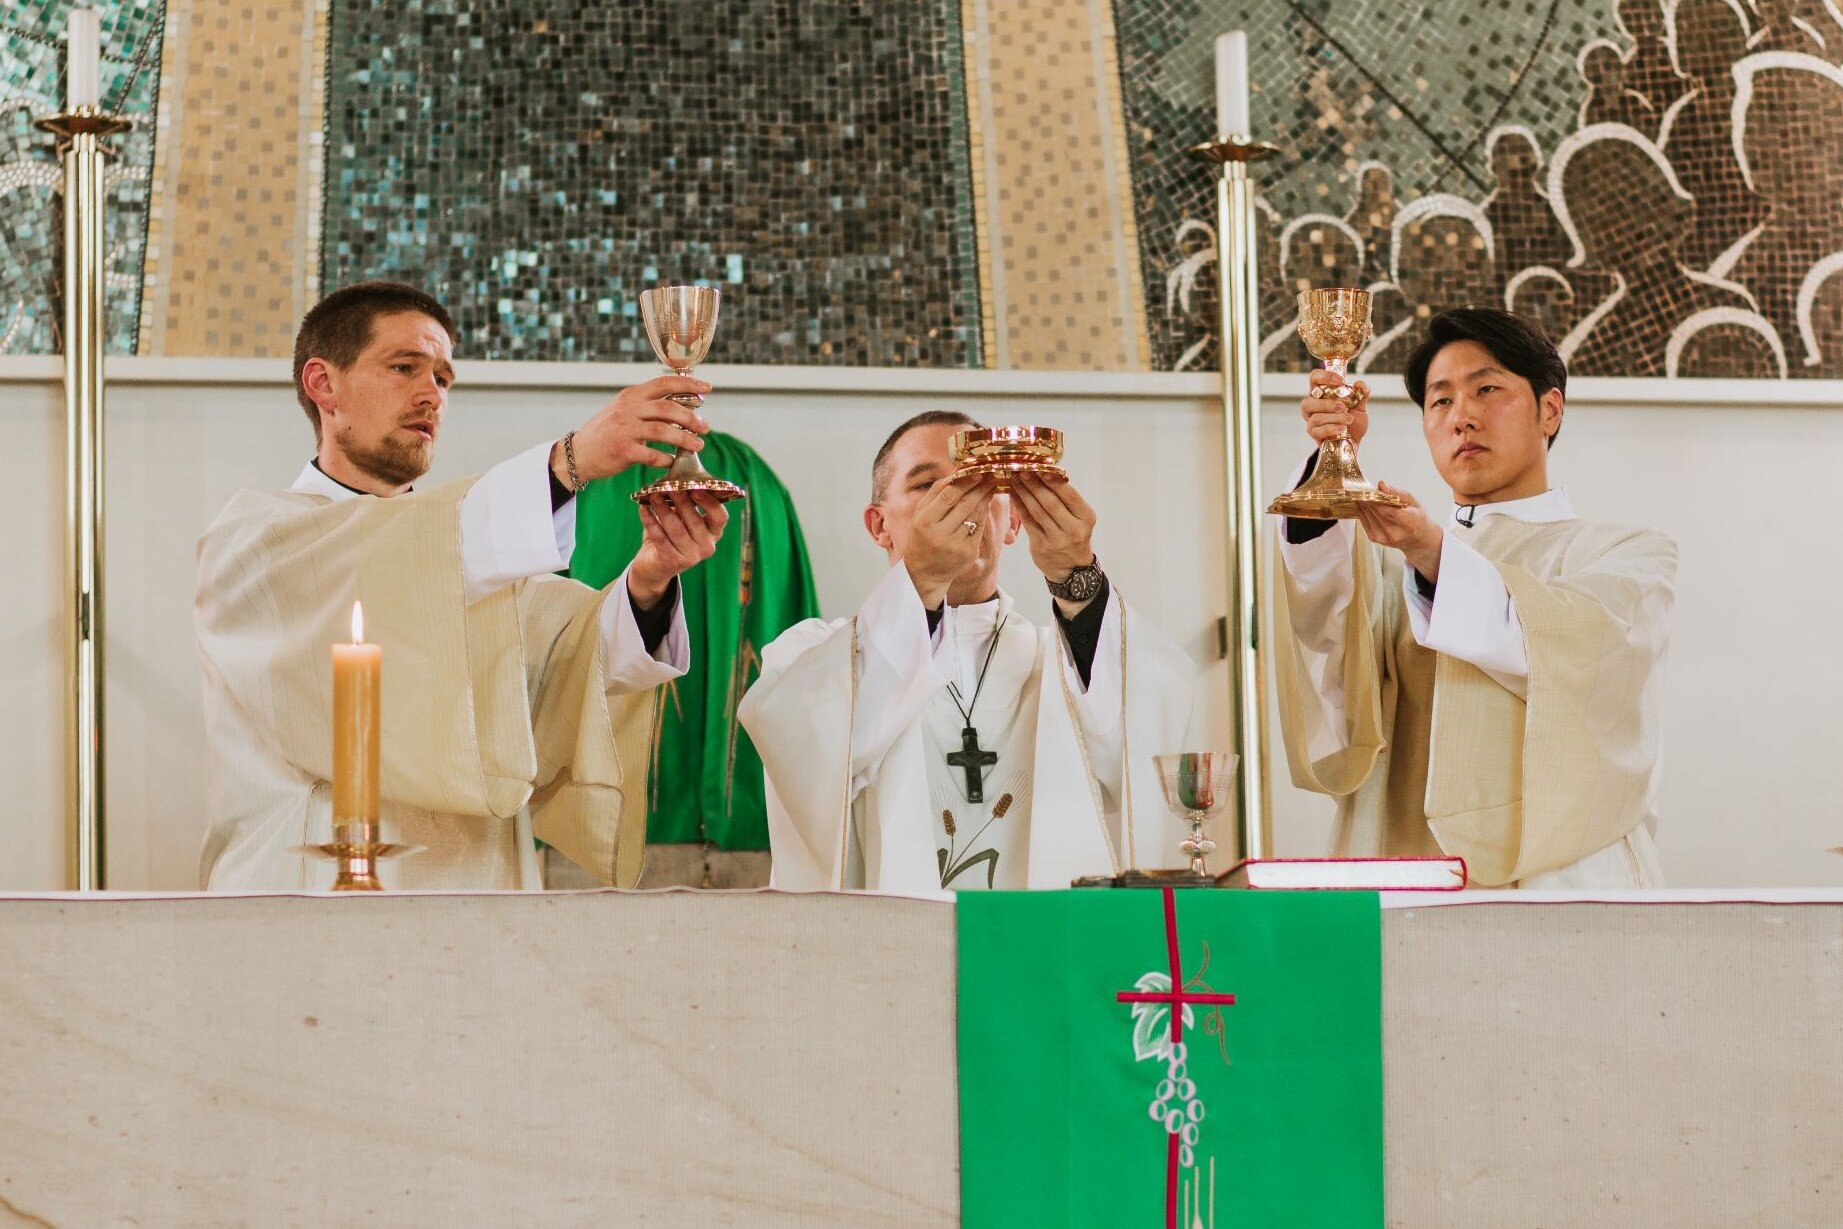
[962, 183]
[1659, 184]
[31, 236]
[538, 165]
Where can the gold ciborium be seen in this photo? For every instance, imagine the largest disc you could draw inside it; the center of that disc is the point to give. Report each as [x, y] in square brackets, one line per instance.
[1334, 324]
[681, 321]
[1005, 452]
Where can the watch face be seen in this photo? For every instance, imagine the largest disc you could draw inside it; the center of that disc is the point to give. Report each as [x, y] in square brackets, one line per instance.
[1082, 584]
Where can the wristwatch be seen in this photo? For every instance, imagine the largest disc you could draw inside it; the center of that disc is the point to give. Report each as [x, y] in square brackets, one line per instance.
[1079, 585]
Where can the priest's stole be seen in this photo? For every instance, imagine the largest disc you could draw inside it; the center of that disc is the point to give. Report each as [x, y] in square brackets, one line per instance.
[1085, 1102]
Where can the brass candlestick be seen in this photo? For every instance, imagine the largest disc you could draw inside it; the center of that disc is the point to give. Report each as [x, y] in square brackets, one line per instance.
[681, 322]
[1240, 330]
[1334, 323]
[356, 849]
[83, 147]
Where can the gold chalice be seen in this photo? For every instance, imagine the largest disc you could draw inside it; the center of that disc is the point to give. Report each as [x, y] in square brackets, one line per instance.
[1334, 324]
[1004, 452]
[681, 321]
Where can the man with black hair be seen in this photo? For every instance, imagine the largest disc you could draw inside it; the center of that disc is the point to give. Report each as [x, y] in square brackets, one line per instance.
[937, 740]
[516, 704]
[1486, 685]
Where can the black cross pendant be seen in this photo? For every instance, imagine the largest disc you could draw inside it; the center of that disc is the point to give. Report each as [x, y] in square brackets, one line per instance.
[973, 760]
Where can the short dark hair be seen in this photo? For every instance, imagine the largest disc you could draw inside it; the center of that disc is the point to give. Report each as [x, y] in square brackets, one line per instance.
[339, 328]
[879, 468]
[1516, 342]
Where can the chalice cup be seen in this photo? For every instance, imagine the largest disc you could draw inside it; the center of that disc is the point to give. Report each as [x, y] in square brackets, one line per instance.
[1334, 323]
[1196, 785]
[681, 321]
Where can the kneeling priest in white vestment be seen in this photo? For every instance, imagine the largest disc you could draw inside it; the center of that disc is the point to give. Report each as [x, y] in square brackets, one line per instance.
[515, 704]
[1485, 685]
[937, 740]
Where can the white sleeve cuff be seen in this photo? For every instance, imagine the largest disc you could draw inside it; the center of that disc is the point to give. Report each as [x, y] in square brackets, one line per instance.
[1323, 560]
[1420, 606]
[1472, 616]
[508, 531]
[626, 665]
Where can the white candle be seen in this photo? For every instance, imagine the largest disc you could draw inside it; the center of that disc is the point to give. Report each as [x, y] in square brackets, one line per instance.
[1232, 84]
[83, 68]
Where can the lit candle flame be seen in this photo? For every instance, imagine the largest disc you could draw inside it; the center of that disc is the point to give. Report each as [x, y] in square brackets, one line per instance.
[358, 623]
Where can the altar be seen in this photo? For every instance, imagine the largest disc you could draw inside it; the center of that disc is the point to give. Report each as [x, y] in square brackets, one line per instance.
[763, 1059]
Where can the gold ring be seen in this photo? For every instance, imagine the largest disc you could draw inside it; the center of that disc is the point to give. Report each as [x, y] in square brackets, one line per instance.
[971, 526]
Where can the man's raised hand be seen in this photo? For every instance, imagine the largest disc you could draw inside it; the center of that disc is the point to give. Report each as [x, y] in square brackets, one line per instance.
[622, 432]
[678, 535]
[1326, 416]
[1059, 522]
[941, 548]
[1407, 529]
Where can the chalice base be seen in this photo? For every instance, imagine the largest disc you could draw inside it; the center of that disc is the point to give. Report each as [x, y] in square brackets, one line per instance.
[1336, 489]
[686, 475]
[1005, 469]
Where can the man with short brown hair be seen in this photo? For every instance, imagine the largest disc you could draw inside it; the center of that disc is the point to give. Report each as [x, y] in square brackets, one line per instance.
[515, 703]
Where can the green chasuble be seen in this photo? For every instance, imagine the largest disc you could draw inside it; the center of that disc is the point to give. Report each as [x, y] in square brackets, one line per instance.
[706, 783]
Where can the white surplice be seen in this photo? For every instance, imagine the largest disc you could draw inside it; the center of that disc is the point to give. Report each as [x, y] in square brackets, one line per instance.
[263, 799]
[854, 722]
[1470, 618]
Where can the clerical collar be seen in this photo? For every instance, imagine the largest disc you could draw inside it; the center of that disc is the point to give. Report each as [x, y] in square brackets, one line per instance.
[315, 481]
[981, 616]
[1551, 505]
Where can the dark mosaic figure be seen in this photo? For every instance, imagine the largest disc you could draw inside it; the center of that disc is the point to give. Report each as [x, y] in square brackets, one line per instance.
[1316, 250]
[1524, 228]
[1191, 291]
[1372, 217]
[1636, 234]
[1649, 72]
[1796, 25]
[1610, 100]
[1276, 299]
[1390, 315]
[1727, 343]
[1545, 295]
[1820, 319]
[1441, 257]
[1710, 37]
[1791, 137]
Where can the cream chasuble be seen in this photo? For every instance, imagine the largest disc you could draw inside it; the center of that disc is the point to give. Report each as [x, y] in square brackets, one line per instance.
[498, 720]
[855, 723]
[1527, 742]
